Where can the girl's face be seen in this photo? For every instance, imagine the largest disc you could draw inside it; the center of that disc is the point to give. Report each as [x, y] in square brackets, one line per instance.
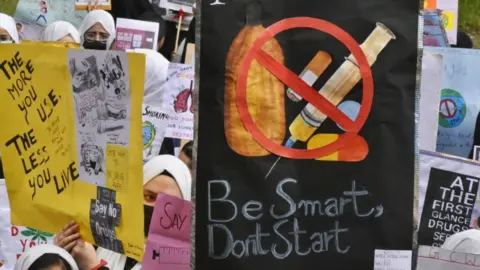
[5, 36]
[160, 184]
[97, 33]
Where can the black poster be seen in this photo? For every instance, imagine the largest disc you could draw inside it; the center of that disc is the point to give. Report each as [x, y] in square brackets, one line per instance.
[448, 206]
[305, 132]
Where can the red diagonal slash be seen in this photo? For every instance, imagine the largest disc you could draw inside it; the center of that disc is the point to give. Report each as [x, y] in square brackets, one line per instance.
[303, 89]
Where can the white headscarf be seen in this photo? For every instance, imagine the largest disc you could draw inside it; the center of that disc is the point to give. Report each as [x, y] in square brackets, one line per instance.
[29, 257]
[60, 29]
[151, 169]
[467, 241]
[173, 166]
[102, 17]
[8, 24]
[156, 71]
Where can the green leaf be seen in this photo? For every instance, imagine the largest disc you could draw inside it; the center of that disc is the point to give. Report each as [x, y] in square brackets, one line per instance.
[35, 237]
[46, 234]
[28, 233]
[43, 238]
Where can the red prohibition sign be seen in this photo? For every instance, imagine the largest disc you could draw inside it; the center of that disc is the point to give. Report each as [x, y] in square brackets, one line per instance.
[448, 113]
[308, 93]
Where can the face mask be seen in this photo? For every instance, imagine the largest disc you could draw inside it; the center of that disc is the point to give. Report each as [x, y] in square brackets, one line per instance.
[95, 45]
[148, 213]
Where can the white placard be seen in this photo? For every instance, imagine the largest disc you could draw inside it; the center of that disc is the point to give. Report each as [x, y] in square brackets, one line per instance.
[155, 122]
[15, 240]
[429, 160]
[179, 100]
[433, 258]
[431, 84]
[393, 259]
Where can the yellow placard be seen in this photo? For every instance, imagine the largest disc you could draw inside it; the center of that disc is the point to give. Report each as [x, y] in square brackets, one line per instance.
[52, 43]
[53, 162]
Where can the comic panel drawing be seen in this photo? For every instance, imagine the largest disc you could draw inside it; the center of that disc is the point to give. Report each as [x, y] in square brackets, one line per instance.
[101, 92]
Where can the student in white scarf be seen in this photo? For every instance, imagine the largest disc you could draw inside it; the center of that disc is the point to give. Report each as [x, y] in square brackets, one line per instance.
[467, 242]
[46, 257]
[8, 30]
[162, 174]
[97, 31]
[156, 70]
[61, 31]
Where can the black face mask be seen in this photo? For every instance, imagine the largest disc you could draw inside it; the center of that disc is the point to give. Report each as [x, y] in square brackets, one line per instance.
[148, 213]
[95, 45]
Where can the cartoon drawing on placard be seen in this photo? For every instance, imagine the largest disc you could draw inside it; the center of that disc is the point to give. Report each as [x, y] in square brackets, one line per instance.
[43, 12]
[244, 79]
[85, 75]
[93, 159]
[149, 132]
[101, 97]
[180, 105]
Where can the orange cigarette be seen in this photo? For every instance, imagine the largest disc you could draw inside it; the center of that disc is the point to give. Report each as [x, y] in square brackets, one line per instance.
[312, 71]
[355, 150]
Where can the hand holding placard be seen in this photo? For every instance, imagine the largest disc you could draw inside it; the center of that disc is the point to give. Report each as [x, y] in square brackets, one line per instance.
[168, 243]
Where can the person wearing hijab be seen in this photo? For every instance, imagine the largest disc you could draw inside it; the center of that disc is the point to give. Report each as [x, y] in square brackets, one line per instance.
[46, 257]
[162, 174]
[8, 30]
[156, 70]
[467, 242]
[61, 31]
[97, 31]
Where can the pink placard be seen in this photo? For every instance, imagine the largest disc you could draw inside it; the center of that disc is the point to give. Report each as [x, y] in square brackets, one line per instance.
[168, 243]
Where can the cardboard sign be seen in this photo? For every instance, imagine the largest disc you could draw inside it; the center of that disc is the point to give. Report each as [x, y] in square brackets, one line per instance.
[433, 29]
[434, 258]
[71, 146]
[168, 243]
[180, 101]
[15, 240]
[448, 197]
[155, 123]
[133, 34]
[44, 12]
[459, 109]
[281, 185]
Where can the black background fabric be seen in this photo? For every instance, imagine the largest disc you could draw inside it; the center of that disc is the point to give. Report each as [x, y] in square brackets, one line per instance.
[387, 172]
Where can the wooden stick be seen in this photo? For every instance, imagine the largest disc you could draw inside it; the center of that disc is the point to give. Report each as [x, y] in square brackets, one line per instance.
[179, 28]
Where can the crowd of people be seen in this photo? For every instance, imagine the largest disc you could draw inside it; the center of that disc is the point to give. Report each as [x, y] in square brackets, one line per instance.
[164, 173]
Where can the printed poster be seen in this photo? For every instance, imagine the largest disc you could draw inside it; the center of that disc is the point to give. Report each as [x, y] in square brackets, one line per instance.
[448, 197]
[74, 155]
[459, 98]
[132, 34]
[155, 122]
[168, 244]
[180, 101]
[44, 12]
[435, 258]
[430, 86]
[15, 240]
[303, 159]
